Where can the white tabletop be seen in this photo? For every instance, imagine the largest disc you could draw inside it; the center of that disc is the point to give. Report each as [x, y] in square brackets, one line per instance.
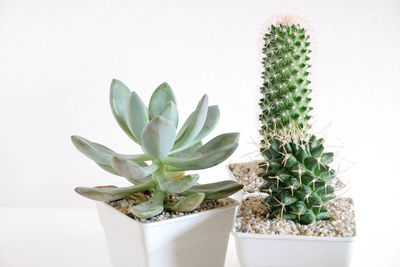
[31, 237]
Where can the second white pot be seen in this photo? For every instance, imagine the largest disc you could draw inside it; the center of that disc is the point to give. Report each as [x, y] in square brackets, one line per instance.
[195, 240]
[259, 250]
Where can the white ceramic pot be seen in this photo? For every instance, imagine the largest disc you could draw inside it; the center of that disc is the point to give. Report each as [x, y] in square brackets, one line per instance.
[258, 250]
[261, 250]
[195, 240]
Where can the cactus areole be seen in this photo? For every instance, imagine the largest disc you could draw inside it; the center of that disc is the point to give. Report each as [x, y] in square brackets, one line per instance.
[296, 168]
[167, 152]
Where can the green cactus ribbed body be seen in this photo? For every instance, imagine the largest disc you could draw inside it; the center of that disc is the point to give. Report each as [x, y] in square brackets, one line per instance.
[297, 179]
[285, 79]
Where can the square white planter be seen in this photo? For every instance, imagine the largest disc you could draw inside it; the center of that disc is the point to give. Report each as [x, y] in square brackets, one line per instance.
[261, 250]
[258, 250]
[195, 240]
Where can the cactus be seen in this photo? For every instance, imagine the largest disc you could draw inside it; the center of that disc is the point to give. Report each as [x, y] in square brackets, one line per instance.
[297, 177]
[285, 79]
[167, 154]
[296, 168]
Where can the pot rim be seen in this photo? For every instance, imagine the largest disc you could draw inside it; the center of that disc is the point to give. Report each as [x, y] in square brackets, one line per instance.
[234, 204]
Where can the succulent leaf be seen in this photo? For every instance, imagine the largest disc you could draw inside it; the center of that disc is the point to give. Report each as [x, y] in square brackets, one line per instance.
[174, 185]
[211, 122]
[158, 137]
[218, 142]
[99, 153]
[187, 204]
[132, 171]
[186, 152]
[108, 168]
[193, 125]
[159, 99]
[139, 158]
[119, 96]
[209, 125]
[200, 162]
[170, 112]
[213, 153]
[216, 190]
[136, 115]
[112, 193]
[150, 208]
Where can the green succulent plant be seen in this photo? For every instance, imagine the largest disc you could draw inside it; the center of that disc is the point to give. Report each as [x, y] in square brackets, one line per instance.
[297, 178]
[285, 79]
[166, 152]
[296, 168]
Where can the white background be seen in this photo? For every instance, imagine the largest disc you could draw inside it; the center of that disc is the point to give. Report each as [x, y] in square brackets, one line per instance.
[57, 59]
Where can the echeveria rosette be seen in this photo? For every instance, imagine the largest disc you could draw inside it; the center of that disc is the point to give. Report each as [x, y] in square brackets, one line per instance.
[166, 152]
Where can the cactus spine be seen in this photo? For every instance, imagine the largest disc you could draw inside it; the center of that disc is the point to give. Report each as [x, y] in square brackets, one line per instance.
[296, 168]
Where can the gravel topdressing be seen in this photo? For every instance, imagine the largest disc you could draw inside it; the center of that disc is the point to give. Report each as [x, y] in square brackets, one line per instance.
[124, 205]
[247, 174]
[253, 215]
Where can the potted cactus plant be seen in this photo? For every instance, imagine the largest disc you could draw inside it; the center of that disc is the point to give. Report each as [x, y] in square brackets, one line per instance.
[166, 218]
[290, 215]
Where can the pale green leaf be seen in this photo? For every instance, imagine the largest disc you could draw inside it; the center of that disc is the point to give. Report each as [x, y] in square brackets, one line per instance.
[112, 193]
[158, 137]
[119, 97]
[150, 208]
[101, 154]
[136, 115]
[209, 125]
[170, 112]
[187, 204]
[218, 142]
[108, 168]
[186, 152]
[132, 171]
[214, 152]
[174, 185]
[216, 190]
[193, 125]
[159, 99]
